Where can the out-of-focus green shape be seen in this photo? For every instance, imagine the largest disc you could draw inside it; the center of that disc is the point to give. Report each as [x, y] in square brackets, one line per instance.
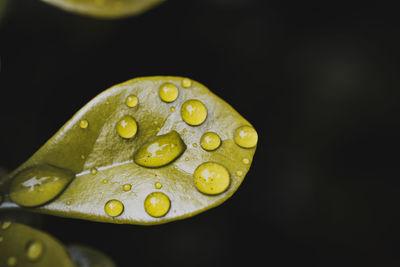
[105, 8]
[111, 187]
[84, 256]
[21, 245]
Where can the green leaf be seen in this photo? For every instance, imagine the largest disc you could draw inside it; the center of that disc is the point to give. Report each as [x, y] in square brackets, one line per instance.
[21, 245]
[84, 256]
[105, 8]
[147, 151]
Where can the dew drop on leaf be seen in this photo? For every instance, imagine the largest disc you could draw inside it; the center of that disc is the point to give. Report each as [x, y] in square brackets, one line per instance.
[193, 112]
[157, 204]
[168, 92]
[114, 208]
[211, 178]
[127, 127]
[210, 141]
[246, 137]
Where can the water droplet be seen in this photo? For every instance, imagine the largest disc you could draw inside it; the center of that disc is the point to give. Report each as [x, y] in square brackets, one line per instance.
[83, 124]
[105, 181]
[83, 156]
[68, 203]
[12, 261]
[194, 145]
[246, 137]
[155, 122]
[157, 204]
[187, 159]
[210, 141]
[131, 101]
[160, 150]
[5, 225]
[168, 92]
[246, 161]
[158, 185]
[34, 250]
[1, 239]
[186, 83]
[126, 187]
[211, 178]
[114, 208]
[127, 127]
[239, 173]
[93, 171]
[172, 109]
[193, 112]
[37, 185]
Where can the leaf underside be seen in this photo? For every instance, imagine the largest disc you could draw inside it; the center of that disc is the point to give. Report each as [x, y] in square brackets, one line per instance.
[103, 161]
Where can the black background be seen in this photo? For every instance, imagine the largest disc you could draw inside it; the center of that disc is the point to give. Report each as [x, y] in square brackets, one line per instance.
[318, 80]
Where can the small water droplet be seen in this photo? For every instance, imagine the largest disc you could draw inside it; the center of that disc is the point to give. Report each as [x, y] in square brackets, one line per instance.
[34, 250]
[157, 204]
[126, 187]
[246, 161]
[1, 239]
[12, 261]
[186, 83]
[105, 181]
[158, 185]
[127, 127]
[246, 137]
[172, 109]
[132, 101]
[239, 173]
[114, 208]
[194, 145]
[83, 156]
[83, 124]
[93, 170]
[210, 141]
[5, 225]
[193, 112]
[160, 150]
[168, 92]
[187, 159]
[211, 178]
[68, 203]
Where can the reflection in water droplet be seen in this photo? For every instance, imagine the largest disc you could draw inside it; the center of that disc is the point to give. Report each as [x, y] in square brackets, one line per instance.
[34, 250]
[210, 141]
[158, 185]
[160, 150]
[93, 171]
[37, 185]
[246, 137]
[211, 178]
[105, 181]
[168, 92]
[172, 109]
[12, 261]
[127, 127]
[83, 124]
[246, 161]
[126, 187]
[157, 204]
[5, 225]
[131, 101]
[114, 208]
[186, 83]
[193, 112]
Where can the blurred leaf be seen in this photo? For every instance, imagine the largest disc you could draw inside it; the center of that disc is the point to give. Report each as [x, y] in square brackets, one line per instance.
[136, 157]
[84, 256]
[22, 245]
[105, 8]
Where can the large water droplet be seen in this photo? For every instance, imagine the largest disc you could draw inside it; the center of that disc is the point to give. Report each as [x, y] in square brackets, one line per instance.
[157, 204]
[132, 101]
[114, 208]
[127, 127]
[168, 92]
[193, 112]
[37, 185]
[34, 250]
[246, 136]
[160, 150]
[211, 178]
[210, 141]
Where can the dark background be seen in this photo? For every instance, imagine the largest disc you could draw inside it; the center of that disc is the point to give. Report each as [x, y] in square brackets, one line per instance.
[319, 81]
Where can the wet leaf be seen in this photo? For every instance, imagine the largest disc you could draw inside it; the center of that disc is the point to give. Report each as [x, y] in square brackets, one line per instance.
[21, 245]
[84, 256]
[138, 159]
[105, 8]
